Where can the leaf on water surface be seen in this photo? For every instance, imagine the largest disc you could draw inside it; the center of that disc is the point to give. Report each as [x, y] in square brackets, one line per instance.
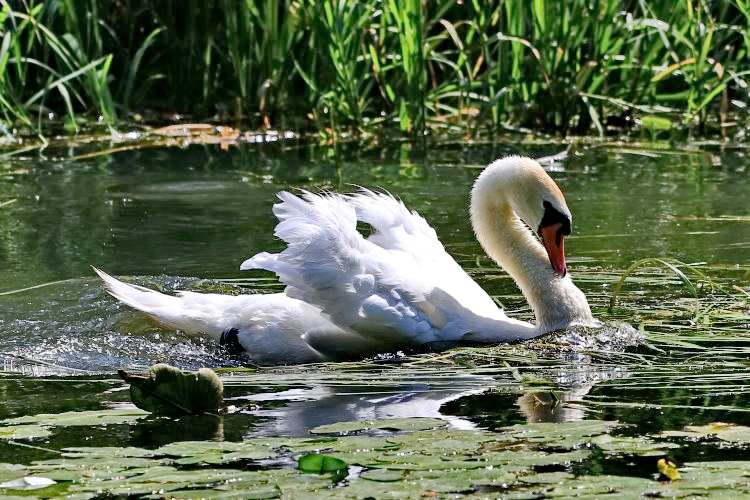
[167, 390]
[563, 434]
[86, 418]
[254, 493]
[399, 465]
[384, 475]
[24, 431]
[636, 445]
[547, 478]
[720, 430]
[106, 451]
[215, 451]
[320, 463]
[396, 424]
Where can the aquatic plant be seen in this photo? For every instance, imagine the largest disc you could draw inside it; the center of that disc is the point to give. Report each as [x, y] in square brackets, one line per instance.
[471, 68]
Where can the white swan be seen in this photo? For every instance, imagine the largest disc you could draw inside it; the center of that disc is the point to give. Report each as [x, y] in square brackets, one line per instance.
[349, 296]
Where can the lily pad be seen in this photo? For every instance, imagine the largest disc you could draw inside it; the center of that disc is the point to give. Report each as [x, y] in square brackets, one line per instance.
[320, 463]
[720, 430]
[396, 424]
[209, 452]
[24, 431]
[632, 445]
[522, 461]
[86, 418]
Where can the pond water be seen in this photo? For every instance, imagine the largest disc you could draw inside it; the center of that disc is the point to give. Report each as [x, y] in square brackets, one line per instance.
[186, 218]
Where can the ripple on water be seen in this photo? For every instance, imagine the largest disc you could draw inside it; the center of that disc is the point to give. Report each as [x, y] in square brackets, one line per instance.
[88, 331]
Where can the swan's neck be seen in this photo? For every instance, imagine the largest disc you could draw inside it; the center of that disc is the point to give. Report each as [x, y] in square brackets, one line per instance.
[555, 300]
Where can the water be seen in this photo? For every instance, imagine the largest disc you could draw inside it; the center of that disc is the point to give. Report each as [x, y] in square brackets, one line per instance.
[177, 217]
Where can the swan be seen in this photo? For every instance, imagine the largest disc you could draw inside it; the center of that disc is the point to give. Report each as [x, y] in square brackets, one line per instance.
[349, 296]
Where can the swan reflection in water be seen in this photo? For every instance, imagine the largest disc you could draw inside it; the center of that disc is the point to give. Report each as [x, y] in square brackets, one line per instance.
[316, 405]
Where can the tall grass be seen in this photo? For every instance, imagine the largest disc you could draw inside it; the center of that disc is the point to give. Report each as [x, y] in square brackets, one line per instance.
[471, 68]
[41, 71]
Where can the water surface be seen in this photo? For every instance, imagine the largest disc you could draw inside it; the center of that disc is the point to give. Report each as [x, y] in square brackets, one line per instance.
[186, 218]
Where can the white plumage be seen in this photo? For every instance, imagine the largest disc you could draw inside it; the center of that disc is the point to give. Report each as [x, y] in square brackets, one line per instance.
[348, 295]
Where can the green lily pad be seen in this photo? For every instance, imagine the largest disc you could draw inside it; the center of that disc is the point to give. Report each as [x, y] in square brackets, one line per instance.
[633, 445]
[551, 431]
[107, 451]
[384, 475]
[24, 431]
[86, 418]
[210, 452]
[320, 463]
[720, 430]
[522, 461]
[396, 424]
[167, 390]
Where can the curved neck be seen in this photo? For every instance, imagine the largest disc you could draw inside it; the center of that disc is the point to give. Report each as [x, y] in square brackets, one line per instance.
[555, 300]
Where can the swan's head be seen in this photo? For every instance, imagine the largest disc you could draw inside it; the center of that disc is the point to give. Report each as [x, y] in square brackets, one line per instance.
[522, 186]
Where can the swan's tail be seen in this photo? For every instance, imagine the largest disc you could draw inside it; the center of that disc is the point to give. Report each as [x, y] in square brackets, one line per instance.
[169, 310]
[135, 296]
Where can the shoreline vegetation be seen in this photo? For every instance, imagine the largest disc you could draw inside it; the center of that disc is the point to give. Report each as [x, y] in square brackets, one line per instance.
[648, 69]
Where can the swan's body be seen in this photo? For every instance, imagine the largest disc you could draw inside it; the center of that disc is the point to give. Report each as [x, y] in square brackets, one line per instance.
[349, 296]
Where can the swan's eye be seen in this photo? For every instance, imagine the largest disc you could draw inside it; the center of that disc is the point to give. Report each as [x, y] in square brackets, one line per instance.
[554, 216]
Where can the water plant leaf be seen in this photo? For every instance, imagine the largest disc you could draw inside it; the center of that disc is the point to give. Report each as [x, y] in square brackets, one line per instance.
[84, 418]
[404, 465]
[192, 452]
[320, 463]
[396, 424]
[24, 431]
[632, 445]
[565, 435]
[720, 430]
[167, 390]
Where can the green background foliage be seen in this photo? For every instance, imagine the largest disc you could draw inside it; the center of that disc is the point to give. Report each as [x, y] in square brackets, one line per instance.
[472, 67]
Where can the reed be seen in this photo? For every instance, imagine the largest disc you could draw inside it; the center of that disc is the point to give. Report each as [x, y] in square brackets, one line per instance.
[474, 68]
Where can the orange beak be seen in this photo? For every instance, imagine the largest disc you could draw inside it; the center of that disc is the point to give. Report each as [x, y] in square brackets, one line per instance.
[552, 239]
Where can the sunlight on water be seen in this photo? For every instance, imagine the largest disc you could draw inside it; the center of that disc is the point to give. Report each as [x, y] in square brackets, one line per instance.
[176, 217]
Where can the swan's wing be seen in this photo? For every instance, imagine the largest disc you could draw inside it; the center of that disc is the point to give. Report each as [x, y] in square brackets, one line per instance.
[407, 234]
[398, 286]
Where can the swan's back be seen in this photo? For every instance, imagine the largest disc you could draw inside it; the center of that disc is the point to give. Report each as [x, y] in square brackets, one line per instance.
[397, 286]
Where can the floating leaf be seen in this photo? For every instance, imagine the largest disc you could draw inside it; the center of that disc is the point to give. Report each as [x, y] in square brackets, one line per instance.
[320, 463]
[191, 452]
[633, 445]
[384, 475]
[90, 417]
[396, 424]
[24, 431]
[107, 451]
[720, 430]
[167, 390]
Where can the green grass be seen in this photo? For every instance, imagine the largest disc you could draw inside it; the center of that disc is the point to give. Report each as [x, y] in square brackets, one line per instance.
[478, 68]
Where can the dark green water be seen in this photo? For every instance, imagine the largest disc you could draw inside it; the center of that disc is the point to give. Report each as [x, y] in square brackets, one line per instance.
[169, 216]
